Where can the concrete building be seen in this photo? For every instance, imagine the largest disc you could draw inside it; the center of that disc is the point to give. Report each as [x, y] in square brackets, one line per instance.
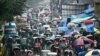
[97, 13]
[97, 7]
[72, 7]
[54, 8]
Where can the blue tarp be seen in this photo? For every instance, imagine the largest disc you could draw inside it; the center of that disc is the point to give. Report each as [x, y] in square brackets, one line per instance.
[79, 20]
[80, 15]
[90, 28]
[89, 10]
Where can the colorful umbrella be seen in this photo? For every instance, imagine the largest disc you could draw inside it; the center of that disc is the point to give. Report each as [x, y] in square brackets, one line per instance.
[87, 40]
[83, 41]
[79, 42]
[95, 52]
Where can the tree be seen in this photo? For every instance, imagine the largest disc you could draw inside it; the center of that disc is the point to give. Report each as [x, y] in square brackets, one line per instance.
[11, 8]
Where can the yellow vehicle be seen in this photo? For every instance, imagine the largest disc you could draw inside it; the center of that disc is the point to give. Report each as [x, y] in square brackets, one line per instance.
[1, 44]
[1, 49]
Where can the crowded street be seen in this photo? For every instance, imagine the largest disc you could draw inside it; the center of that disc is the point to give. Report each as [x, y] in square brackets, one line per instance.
[50, 28]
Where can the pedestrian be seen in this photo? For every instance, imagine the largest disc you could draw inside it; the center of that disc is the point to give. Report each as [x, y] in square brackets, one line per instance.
[30, 53]
[97, 37]
[63, 45]
[47, 45]
[55, 48]
[16, 51]
[37, 46]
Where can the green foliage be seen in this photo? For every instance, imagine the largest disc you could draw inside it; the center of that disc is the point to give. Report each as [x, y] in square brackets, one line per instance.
[10, 8]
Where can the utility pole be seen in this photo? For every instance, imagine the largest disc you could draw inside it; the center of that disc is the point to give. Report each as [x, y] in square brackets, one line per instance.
[51, 8]
[60, 7]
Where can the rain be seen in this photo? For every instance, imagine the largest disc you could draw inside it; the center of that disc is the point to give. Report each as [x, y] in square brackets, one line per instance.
[50, 28]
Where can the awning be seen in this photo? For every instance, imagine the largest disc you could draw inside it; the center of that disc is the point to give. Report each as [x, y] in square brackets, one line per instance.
[79, 20]
[82, 15]
[89, 10]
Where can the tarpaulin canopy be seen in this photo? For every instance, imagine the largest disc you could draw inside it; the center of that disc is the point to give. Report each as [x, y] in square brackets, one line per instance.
[90, 28]
[83, 41]
[89, 10]
[79, 20]
[82, 15]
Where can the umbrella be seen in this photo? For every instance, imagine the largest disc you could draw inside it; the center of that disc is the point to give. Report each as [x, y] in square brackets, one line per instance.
[83, 41]
[16, 48]
[95, 52]
[79, 42]
[87, 40]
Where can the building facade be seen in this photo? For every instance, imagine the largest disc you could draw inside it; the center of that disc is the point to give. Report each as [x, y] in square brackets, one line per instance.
[72, 7]
[97, 13]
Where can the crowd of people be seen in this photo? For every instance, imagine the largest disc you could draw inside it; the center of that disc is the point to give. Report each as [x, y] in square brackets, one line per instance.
[63, 38]
[77, 39]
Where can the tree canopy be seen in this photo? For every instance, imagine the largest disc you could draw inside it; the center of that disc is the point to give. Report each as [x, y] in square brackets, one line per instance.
[11, 8]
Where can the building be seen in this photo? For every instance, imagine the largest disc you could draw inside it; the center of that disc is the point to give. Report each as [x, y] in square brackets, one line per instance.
[97, 13]
[66, 8]
[97, 8]
[72, 7]
[53, 8]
